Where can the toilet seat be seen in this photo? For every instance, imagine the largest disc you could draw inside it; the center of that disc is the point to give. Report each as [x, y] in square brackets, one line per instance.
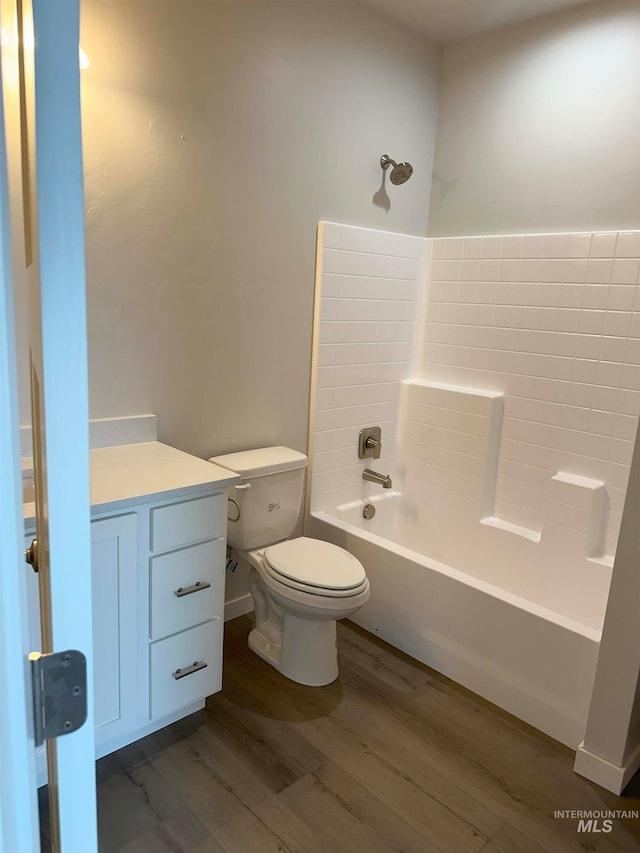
[315, 567]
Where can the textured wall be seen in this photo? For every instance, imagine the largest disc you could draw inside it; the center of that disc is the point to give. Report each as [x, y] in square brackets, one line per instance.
[539, 126]
[216, 136]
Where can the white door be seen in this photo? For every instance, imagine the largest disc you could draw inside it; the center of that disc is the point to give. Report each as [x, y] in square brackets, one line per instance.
[18, 804]
[42, 115]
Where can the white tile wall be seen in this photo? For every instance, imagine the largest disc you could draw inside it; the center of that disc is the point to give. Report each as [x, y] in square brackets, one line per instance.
[370, 282]
[549, 322]
[449, 438]
[552, 322]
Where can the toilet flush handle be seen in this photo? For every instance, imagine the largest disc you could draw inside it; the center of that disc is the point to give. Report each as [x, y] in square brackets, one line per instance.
[237, 506]
[242, 487]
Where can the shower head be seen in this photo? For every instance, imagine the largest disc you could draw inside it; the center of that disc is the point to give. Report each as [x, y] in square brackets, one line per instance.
[400, 173]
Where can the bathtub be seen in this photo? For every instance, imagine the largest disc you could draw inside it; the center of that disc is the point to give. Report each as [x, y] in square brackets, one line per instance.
[534, 662]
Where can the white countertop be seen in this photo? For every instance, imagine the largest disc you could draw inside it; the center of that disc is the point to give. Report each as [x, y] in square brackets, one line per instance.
[141, 473]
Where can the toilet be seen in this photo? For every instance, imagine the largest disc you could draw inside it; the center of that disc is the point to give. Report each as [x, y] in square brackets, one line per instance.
[300, 586]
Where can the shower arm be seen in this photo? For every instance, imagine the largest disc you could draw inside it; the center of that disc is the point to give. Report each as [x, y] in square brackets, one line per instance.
[386, 161]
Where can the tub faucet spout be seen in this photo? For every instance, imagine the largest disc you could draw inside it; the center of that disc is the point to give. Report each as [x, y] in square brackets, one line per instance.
[383, 480]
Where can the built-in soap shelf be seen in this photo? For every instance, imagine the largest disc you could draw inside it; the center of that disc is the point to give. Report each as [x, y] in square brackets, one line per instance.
[576, 503]
[509, 527]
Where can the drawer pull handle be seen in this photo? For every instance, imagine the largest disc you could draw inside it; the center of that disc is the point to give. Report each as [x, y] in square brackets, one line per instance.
[198, 586]
[196, 666]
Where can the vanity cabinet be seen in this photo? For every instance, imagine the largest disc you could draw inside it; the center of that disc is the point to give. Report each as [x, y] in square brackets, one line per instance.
[158, 573]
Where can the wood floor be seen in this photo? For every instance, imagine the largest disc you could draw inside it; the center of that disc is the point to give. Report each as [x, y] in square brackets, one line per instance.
[392, 757]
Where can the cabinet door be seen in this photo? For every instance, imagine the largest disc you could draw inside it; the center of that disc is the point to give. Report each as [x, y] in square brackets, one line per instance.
[115, 657]
[115, 614]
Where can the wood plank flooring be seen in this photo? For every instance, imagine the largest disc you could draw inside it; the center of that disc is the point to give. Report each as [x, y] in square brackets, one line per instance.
[391, 757]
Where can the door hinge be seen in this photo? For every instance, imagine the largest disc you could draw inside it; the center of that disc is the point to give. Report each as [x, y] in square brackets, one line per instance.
[59, 693]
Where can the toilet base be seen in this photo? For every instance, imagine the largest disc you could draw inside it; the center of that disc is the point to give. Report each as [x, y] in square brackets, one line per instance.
[295, 631]
[307, 653]
[265, 647]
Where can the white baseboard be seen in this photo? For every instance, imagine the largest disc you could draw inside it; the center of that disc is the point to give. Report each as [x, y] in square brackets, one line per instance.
[238, 607]
[613, 777]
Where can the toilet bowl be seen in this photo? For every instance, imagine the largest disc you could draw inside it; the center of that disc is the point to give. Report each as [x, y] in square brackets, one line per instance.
[299, 586]
[298, 596]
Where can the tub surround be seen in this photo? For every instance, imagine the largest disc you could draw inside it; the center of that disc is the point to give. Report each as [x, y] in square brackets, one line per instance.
[508, 422]
[552, 321]
[451, 452]
[542, 331]
[132, 474]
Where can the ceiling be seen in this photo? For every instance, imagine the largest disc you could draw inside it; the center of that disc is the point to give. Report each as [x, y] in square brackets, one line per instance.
[449, 20]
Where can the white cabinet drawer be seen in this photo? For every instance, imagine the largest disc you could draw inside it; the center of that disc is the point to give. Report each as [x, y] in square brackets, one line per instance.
[188, 521]
[187, 587]
[180, 655]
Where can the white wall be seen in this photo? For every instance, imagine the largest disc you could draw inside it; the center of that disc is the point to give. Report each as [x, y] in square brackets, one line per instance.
[539, 126]
[216, 136]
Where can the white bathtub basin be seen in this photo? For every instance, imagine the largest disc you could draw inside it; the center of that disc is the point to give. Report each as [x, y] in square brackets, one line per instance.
[534, 662]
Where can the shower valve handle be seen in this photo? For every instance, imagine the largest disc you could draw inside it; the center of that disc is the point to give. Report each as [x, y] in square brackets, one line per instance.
[370, 443]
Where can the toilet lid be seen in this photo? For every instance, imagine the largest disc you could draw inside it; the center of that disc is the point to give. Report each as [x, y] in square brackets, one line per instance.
[315, 563]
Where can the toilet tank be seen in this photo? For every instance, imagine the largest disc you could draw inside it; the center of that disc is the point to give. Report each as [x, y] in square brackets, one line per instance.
[265, 506]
